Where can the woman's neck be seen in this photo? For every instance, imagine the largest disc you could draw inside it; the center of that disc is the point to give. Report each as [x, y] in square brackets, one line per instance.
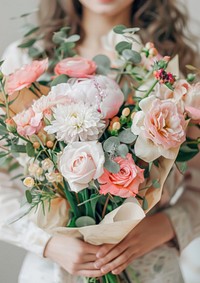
[97, 25]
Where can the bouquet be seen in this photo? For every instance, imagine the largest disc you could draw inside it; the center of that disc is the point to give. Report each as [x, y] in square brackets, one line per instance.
[99, 140]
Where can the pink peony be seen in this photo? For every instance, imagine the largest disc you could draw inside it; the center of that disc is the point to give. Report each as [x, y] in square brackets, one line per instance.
[101, 91]
[26, 75]
[192, 102]
[28, 122]
[75, 67]
[160, 128]
[126, 182]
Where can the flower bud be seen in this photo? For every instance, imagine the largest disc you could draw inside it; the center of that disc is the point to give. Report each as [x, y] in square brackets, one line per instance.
[132, 115]
[116, 126]
[11, 125]
[149, 45]
[36, 145]
[47, 164]
[153, 52]
[50, 144]
[29, 182]
[126, 111]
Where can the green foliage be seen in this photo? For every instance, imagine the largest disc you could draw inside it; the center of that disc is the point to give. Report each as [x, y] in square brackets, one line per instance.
[132, 56]
[59, 80]
[127, 137]
[30, 149]
[111, 165]
[187, 151]
[84, 221]
[123, 45]
[103, 64]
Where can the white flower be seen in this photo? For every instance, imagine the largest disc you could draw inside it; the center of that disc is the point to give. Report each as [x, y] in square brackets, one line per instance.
[81, 162]
[47, 165]
[29, 182]
[54, 177]
[76, 121]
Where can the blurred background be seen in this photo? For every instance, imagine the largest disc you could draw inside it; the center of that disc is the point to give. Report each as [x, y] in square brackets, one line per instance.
[11, 30]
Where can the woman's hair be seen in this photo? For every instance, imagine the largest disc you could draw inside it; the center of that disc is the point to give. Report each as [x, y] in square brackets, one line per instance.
[164, 22]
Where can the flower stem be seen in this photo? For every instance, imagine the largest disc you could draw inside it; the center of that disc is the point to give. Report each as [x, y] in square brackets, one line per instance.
[151, 88]
[70, 200]
[105, 206]
[5, 98]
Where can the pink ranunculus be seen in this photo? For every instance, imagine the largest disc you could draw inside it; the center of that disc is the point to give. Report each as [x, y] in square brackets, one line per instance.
[192, 102]
[160, 127]
[28, 122]
[101, 91]
[26, 75]
[126, 182]
[75, 67]
[80, 163]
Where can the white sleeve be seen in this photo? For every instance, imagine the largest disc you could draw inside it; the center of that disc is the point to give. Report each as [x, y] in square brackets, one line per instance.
[14, 58]
[23, 233]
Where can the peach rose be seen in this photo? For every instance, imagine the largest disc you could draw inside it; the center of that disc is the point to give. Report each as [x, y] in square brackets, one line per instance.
[160, 128]
[126, 182]
[26, 75]
[75, 67]
[80, 163]
[192, 102]
[28, 122]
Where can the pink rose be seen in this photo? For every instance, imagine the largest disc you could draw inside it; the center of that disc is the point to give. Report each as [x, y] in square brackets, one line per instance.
[28, 122]
[101, 91]
[80, 163]
[75, 67]
[126, 182]
[192, 102]
[26, 75]
[160, 128]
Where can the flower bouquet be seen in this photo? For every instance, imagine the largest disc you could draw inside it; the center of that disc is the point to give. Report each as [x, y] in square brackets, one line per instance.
[99, 148]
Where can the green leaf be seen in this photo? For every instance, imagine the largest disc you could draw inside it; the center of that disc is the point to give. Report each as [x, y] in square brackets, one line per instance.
[103, 64]
[122, 150]
[3, 154]
[31, 31]
[156, 184]
[187, 152]
[131, 30]
[85, 221]
[28, 196]
[145, 204]
[131, 55]
[73, 38]
[59, 80]
[34, 52]
[27, 43]
[182, 167]
[111, 144]
[126, 136]
[122, 46]
[111, 165]
[1, 62]
[119, 29]
[59, 37]
[18, 148]
[30, 149]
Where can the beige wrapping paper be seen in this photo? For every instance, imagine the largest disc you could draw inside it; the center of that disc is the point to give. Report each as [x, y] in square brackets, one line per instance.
[114, 227]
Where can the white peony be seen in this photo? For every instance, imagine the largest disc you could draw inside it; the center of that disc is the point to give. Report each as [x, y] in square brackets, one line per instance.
[76, 121]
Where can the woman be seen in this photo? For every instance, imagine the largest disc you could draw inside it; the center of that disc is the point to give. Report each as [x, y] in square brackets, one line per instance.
[151, 248]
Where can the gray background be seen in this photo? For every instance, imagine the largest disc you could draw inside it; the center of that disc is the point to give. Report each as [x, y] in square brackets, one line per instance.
[10, 30]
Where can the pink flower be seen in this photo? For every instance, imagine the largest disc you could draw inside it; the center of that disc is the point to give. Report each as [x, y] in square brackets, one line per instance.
[28, 122]
[126, 182]
[75, 67]
[192, 102]
[80, 163]
[160, 128]
[26, 75]
[101, 91]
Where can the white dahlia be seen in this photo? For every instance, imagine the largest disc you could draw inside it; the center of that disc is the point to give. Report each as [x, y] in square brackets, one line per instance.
[76, 122]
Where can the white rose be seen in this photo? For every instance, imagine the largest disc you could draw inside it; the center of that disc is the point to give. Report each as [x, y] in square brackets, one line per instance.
[81, 162]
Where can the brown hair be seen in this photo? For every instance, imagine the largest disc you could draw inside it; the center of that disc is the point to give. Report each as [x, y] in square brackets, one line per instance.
[164, 22]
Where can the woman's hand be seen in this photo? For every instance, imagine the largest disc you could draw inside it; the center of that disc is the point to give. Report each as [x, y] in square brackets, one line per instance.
[150, 233]
[74, 255]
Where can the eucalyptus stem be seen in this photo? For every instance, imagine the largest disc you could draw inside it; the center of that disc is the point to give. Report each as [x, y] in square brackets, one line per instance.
[105, 206]
[5, 98]
[151, 88]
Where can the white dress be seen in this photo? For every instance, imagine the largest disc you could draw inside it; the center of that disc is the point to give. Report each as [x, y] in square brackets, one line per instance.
[160, 265]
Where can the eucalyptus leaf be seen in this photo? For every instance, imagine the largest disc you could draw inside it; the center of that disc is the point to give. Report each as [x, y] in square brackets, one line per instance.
[131, 30]
[103, 64]
[111, 144]
[111, 165]
[27, 43]
[122, 46]
[131, 55]
[59, 80]
[59, 37]
[182, 167]
[122, 150]
[187, 152]
[156, 184]
[73, 38]
[126, 136]
[18, 148]
[33, 30]
[119, 29]
[84, 221]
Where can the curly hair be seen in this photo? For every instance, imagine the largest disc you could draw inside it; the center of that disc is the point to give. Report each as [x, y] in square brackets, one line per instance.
[164, 22]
